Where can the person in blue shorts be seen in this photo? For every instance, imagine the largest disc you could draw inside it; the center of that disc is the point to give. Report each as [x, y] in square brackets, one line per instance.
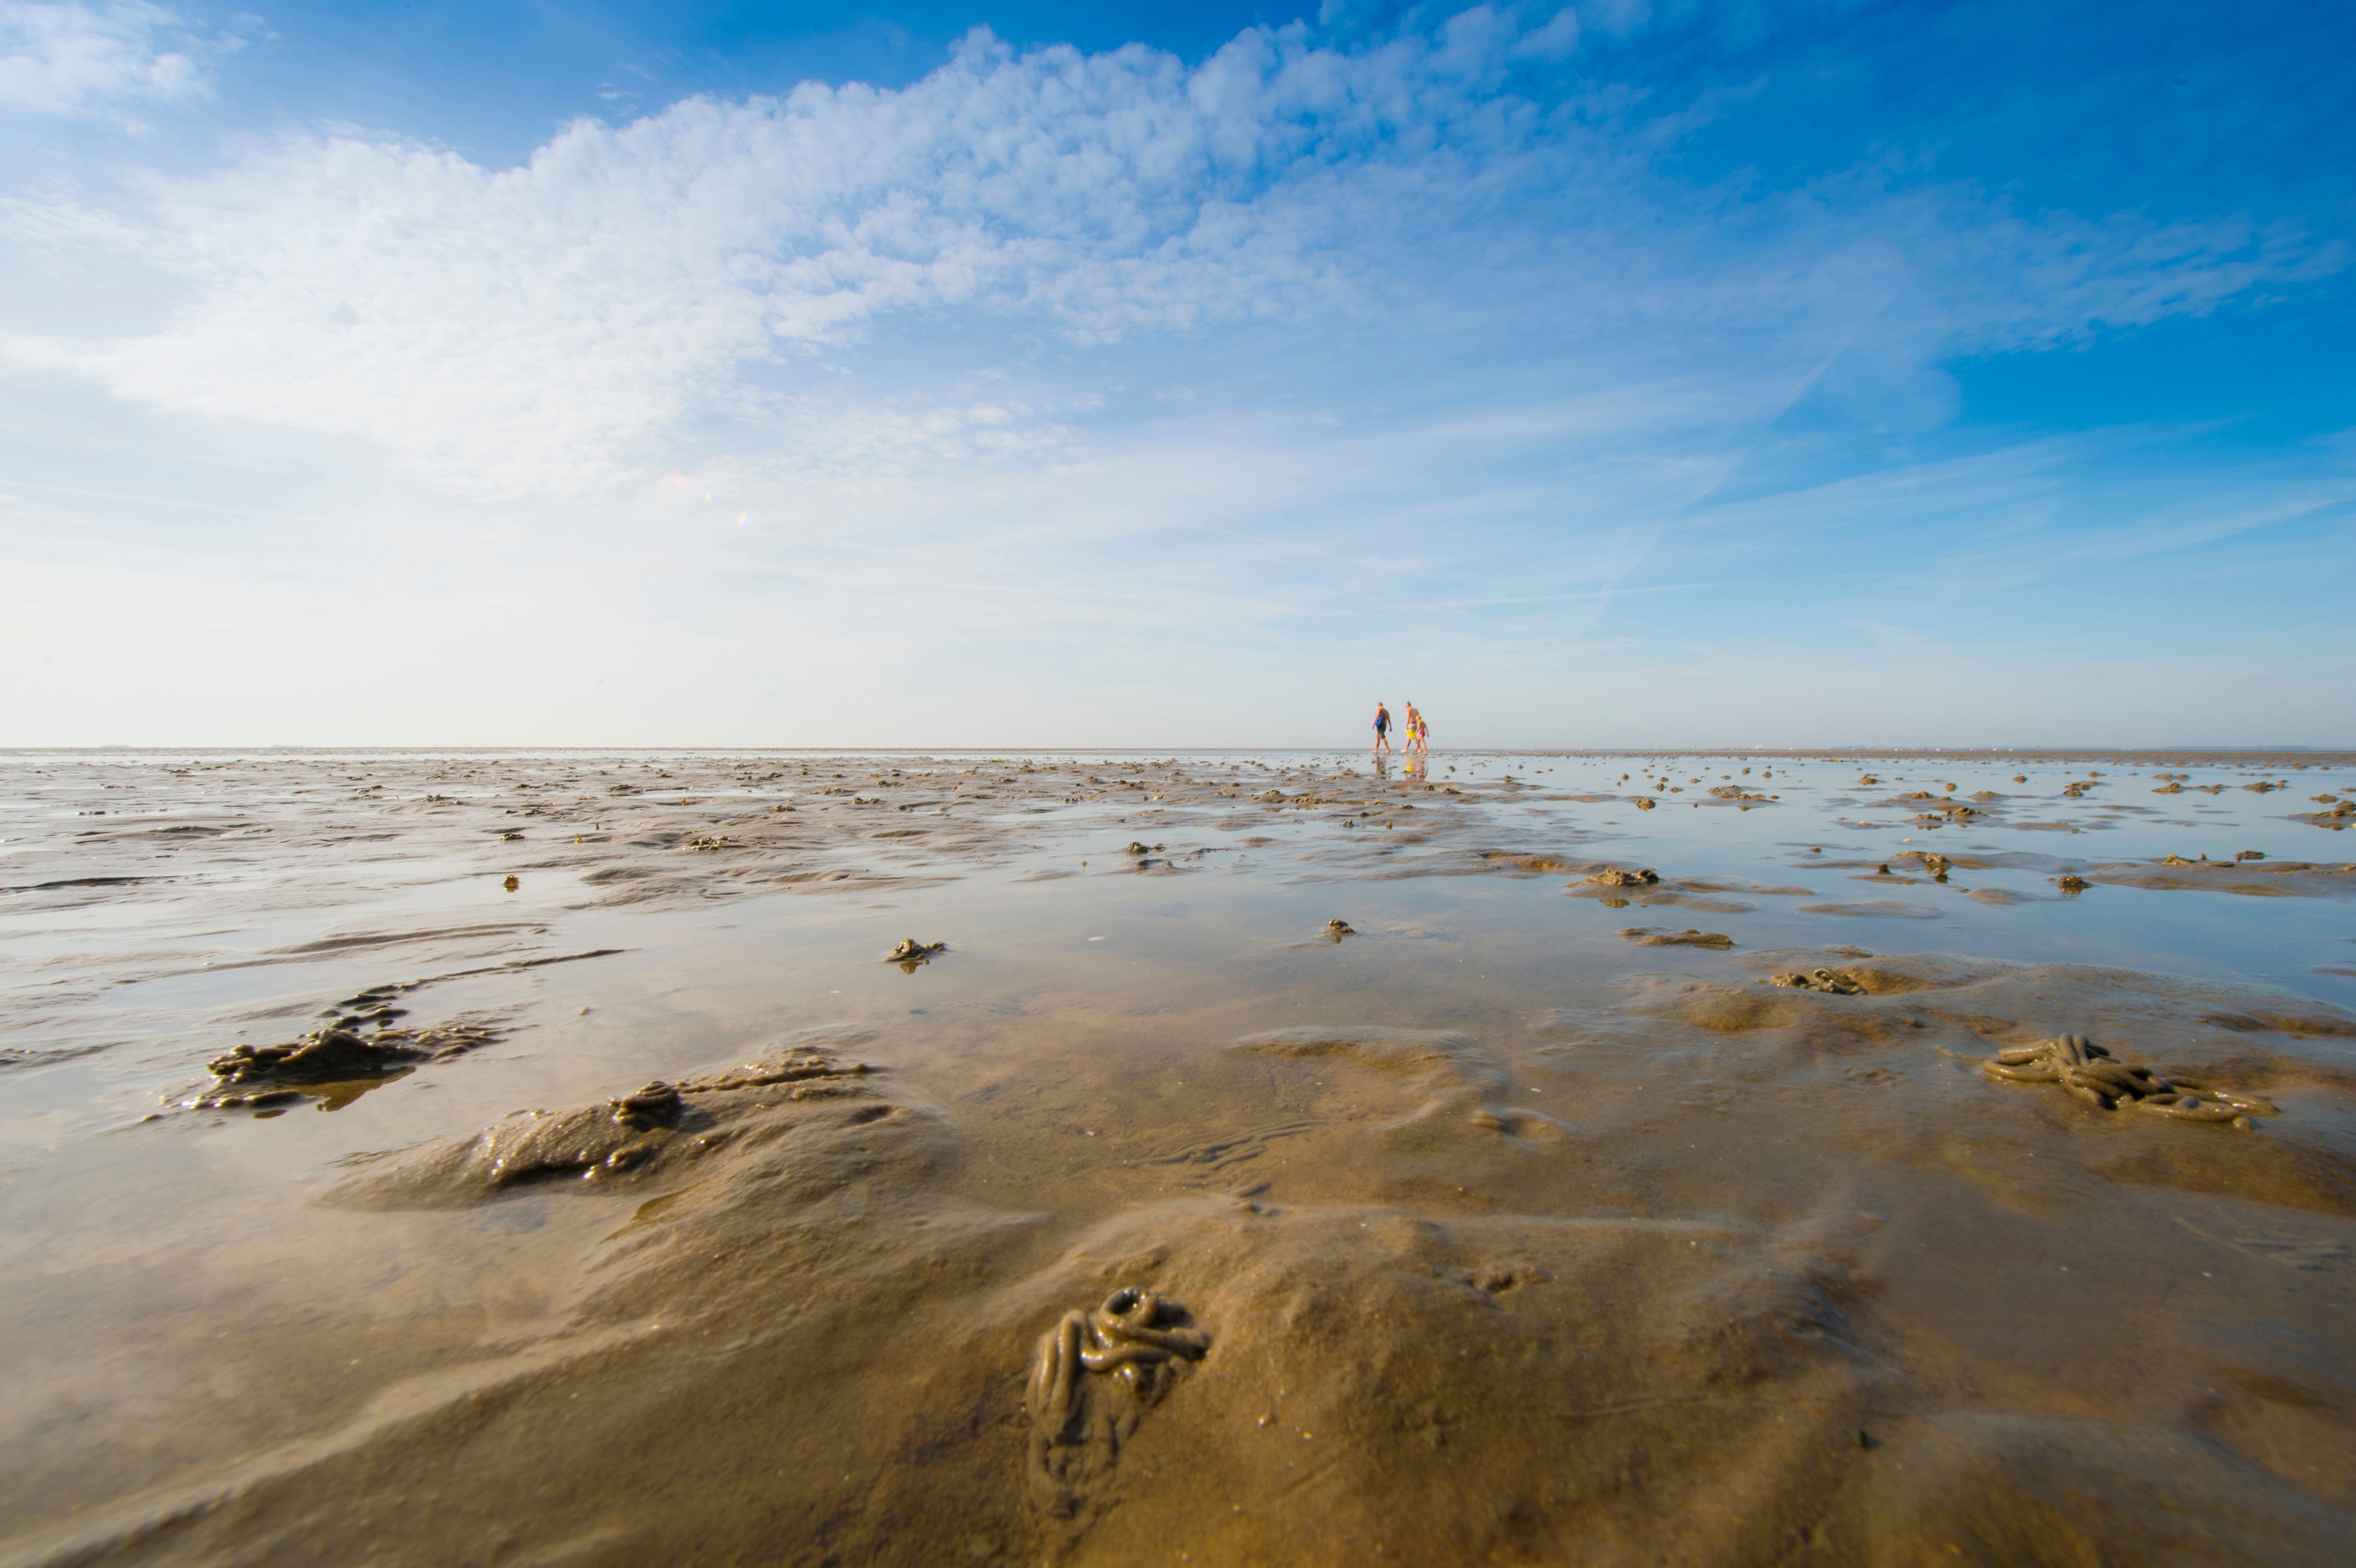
[1382, 728]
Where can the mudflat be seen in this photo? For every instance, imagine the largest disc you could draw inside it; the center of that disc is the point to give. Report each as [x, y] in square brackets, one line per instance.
[1226, 1158]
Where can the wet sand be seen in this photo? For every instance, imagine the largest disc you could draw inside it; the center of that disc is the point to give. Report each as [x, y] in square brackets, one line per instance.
[1245, 1158]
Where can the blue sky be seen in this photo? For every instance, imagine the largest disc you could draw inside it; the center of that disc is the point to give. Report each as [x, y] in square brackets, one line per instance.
[1621, 373]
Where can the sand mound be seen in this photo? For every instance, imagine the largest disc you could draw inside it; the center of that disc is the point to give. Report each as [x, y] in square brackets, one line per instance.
[799, 1086]
[1462, 1093]
[1983, 1487]
[1923, 1026]
[804, 1346]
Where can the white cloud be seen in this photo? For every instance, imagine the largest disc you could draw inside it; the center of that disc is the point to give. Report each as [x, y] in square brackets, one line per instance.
[531, 327]
[95, 61]
[1557, 38]
[1620, 17]
[578, 320]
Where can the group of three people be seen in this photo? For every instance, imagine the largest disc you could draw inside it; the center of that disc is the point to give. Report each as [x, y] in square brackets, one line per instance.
[1415, 742]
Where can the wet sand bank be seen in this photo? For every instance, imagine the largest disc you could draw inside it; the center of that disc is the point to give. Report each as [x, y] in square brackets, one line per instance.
[1505, 1237]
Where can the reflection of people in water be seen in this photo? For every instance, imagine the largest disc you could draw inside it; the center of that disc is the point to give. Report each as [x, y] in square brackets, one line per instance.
[1382, 728]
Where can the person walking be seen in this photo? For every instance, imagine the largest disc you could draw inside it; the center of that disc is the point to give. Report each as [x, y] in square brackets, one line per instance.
[1382, 728]
[1414, 730]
